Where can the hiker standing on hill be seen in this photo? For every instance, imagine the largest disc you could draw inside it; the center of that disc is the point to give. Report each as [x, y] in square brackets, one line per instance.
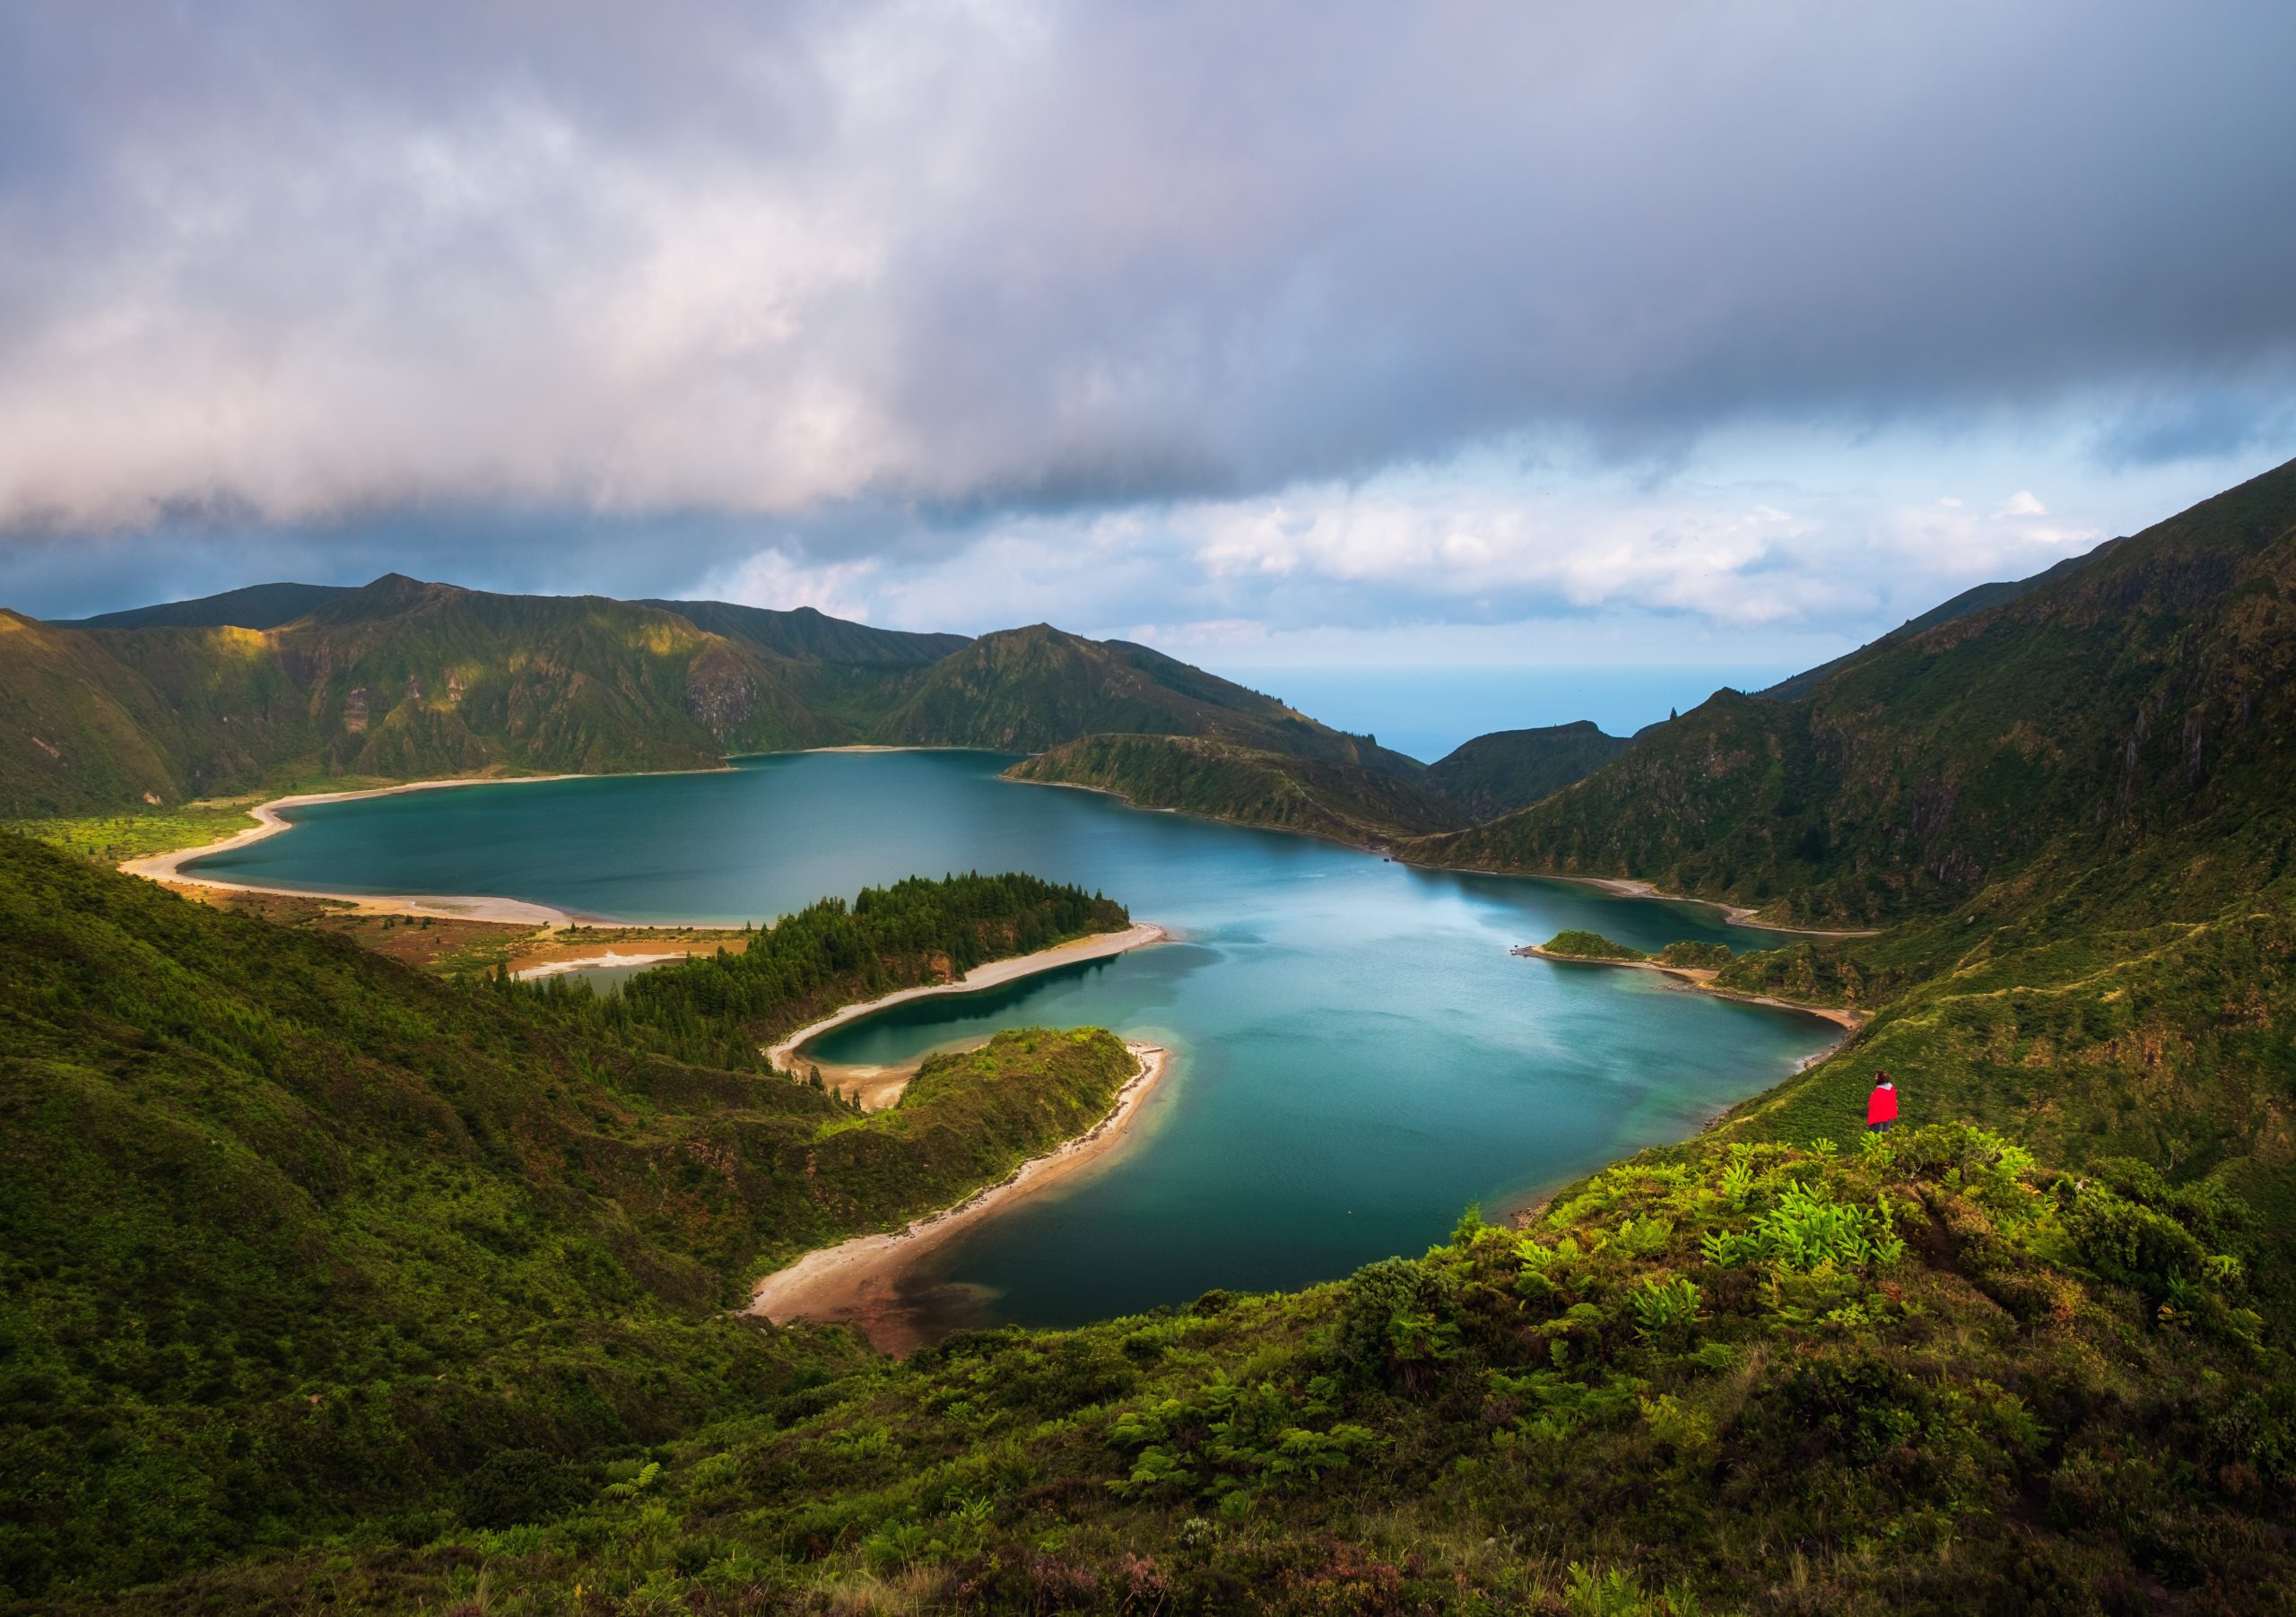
[1882, 1105]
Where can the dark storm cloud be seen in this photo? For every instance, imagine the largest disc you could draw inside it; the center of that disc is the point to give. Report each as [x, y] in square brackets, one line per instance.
[317, 263]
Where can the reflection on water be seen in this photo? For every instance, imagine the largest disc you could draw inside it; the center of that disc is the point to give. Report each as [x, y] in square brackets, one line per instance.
[1359, 1057]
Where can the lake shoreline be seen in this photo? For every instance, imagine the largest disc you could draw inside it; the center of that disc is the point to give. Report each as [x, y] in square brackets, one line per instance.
[1700, 979]
[166, 867]
[1617, 887]
[989, 974]
[857, 1281]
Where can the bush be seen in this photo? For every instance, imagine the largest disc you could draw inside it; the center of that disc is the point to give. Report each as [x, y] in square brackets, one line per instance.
[1396, 1319]
[517, 1485]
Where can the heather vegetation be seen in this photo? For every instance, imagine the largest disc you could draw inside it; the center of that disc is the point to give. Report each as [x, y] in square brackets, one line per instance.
[1926, 1375]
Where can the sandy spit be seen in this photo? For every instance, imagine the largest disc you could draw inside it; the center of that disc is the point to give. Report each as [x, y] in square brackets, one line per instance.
[1738, 914]
[1702, 979]
[1100, 946]
[856, 1282]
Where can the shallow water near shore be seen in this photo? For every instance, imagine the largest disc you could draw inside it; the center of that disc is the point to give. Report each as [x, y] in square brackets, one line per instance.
[1358, 1057]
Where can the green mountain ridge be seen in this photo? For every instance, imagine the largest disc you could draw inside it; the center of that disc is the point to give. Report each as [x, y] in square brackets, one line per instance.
[1345, 801]
[1506, 769]
[1982, 597]
[256, 607]
[403, 679]
[2109, 706]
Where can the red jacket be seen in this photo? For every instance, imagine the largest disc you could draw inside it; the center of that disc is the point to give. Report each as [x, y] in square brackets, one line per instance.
[1883, 1106]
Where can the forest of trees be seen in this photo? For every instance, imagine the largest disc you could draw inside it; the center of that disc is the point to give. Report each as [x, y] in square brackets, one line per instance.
[720, 1009]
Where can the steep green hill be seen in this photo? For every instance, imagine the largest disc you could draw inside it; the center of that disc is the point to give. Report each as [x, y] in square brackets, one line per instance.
[1027, 690]
[296, 1241]
[2133, 696]
[78, 731]
[1980, 598]
[2077, 812]
[1508, 769]
[403, 679]
[1345, 801]
[256, 606]
[1932, 1376]
[806, 635]
[399, 679]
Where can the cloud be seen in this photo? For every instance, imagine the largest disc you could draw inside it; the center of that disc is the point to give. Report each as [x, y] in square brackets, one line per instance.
[973, 261]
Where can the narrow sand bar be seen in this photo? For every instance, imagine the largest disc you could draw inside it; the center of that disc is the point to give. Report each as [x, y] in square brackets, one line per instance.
[1100, 945]
[1702, 979]
[1622, 887]
[857, 1281]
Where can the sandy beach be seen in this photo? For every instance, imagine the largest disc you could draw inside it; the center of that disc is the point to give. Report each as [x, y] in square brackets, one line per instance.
[585, 963]
[168, 867]
[857, 1281]
[1702, 979]
[1099, 946]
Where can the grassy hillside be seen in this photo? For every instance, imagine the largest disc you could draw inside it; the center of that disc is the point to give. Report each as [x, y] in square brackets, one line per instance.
[1982, 597]
[78, 731]
[1345, 801]
[2095, 903]
[1028, 690]
[1508, 769]
[256, 606]
[1928, 1377]
[401, 679]
[299, 1242]
[806, 635]
[2117, 704]
[398, 679]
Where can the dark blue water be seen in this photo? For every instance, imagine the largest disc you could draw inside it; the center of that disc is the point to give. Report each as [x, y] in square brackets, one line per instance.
[1358, 1055]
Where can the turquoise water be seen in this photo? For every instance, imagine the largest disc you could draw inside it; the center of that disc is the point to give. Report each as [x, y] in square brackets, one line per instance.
[1359, 1056]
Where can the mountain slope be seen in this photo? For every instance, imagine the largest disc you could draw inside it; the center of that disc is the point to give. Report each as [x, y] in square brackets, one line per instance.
[1347, 802]
[256, 606]
[299, 1242]
[1982, 597]
[1026, 690]
[1508, 769]
[399, 679]
[2140, 693]
[806, 635]
[403, 679]
[1929, 1378]
[78, 730]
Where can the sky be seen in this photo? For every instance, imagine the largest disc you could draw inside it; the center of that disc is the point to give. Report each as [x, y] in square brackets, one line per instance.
[1318, 338]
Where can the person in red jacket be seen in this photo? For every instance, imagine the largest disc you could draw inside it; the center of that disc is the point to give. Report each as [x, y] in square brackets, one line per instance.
[1882, 1106]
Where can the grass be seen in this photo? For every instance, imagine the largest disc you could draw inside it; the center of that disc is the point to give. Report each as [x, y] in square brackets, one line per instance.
[114, 838]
